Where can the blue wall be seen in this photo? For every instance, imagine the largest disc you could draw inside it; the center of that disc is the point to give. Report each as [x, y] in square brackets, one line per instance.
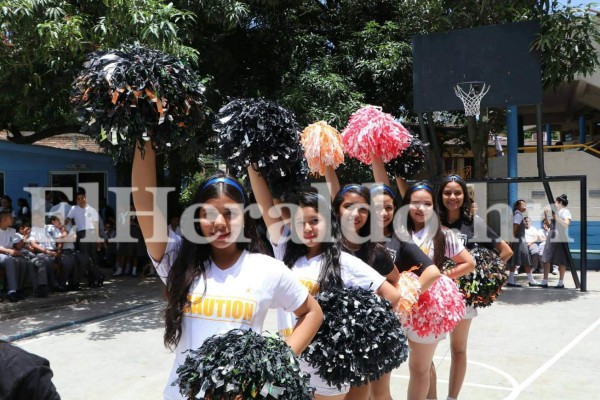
[23, 165]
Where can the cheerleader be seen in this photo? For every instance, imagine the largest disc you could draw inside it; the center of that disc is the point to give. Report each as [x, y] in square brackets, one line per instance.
[214, 280]
[454, 209]
[315, 256]
[437, 242]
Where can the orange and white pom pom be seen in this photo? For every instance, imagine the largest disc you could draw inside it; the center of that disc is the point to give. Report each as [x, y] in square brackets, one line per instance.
[371, 132]
[322, 147]
[409, 289]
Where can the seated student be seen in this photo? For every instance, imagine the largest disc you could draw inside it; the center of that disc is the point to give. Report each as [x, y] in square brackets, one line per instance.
[12, 260]
[54, 233]
[532, 238]
[78, 261]
[43, 278]
[24, 376]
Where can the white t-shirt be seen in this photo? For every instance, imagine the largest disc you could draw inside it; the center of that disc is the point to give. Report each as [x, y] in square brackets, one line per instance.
[84, 218]
[355, 273]
[235, 298]
[42, 237]
[424, 240]
[531, 234]
[8, 237]
[564, 213]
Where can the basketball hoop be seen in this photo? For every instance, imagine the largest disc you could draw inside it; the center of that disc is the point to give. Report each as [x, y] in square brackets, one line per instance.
[471, 94]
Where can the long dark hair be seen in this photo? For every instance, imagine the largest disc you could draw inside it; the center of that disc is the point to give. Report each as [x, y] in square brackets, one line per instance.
[330, 274]
[192, 260]
[465, 209]
[439, 239]
[516, 204]
[365, 231]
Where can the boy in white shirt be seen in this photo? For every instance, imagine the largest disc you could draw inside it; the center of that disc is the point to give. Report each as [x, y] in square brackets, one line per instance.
[11, 259]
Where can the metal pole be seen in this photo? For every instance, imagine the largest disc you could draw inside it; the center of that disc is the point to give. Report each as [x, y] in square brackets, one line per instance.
[581, 129]
[512, 128]
[583, 221]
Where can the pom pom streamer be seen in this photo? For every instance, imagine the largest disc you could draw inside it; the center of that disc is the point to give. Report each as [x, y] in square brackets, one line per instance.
[260, 133]
[482, 287]
[373, 132]
[242, 364]
[410, 162]
[124, 95]
[439, 310]
[360, 339]
[322, 147]
[409, 289]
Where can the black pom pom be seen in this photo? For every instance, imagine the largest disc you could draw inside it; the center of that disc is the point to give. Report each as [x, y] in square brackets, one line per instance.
[243, 364]
[123, 95]
[360, 339]
[482, 287]
[410, 162]
[260, 133]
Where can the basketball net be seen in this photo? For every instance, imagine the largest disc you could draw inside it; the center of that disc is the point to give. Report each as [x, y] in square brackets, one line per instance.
[471, 98]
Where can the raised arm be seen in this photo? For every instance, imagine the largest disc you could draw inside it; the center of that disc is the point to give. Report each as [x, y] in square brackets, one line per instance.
[379, 173]
[143, 177]
[272, 217]
[333, 183]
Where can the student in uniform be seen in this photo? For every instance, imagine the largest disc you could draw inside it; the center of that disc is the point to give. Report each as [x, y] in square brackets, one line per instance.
[438, 243]
[214, 280]
[454, 209]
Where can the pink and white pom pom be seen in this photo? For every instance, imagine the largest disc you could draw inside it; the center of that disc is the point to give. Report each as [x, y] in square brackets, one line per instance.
[322, 147]
[439, 310]
[370, 132]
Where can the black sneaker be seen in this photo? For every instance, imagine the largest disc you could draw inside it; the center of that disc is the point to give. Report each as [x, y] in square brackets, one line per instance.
[536, 284]
[513, 284]
[13, 297]
[561, 286]
[544, 285]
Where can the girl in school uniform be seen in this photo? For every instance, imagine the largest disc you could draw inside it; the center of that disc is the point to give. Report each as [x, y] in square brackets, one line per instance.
[454, 209]
[311, 248]
[437, 242]
[214, 280]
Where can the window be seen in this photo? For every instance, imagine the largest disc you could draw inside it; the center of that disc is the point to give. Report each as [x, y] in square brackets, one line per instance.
[75, 179]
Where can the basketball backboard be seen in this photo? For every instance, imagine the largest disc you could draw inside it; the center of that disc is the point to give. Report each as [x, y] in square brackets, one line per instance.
[499, 55]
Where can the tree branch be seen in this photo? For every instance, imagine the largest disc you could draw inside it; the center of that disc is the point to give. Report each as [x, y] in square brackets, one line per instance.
[16, 136]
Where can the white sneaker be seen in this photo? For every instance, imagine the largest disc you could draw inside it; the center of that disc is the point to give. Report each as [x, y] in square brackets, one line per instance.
[118, 272]
[554, 270]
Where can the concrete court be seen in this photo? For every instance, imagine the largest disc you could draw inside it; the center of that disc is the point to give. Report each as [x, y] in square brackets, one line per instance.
[532, 344]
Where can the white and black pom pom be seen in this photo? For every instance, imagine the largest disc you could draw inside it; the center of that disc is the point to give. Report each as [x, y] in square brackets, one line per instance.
[242, 364]
[410, 162]
[265, 135]
[360, 339]
[125, 95]
[482, 287]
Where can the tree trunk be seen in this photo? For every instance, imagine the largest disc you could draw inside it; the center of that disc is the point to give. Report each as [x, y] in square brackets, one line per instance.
[478, 140]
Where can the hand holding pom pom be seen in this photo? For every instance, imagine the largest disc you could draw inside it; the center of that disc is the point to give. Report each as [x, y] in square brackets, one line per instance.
[373, 132]
[259, 133]
[409, 289]
[439, 310]
[123, 94]
[360, 339]
[482, 287]
[322, 147]
[242, 365]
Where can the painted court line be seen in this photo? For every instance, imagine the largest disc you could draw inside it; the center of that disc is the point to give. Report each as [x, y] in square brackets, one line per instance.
[479, 385]
[551, 361]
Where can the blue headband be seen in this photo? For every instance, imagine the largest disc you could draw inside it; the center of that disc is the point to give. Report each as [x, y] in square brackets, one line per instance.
[422, 187]
[384, 188]
[453, 178]
[228, 181]
[349, 187]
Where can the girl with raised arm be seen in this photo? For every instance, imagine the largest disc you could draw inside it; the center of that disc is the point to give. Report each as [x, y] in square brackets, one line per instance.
[214, 280]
